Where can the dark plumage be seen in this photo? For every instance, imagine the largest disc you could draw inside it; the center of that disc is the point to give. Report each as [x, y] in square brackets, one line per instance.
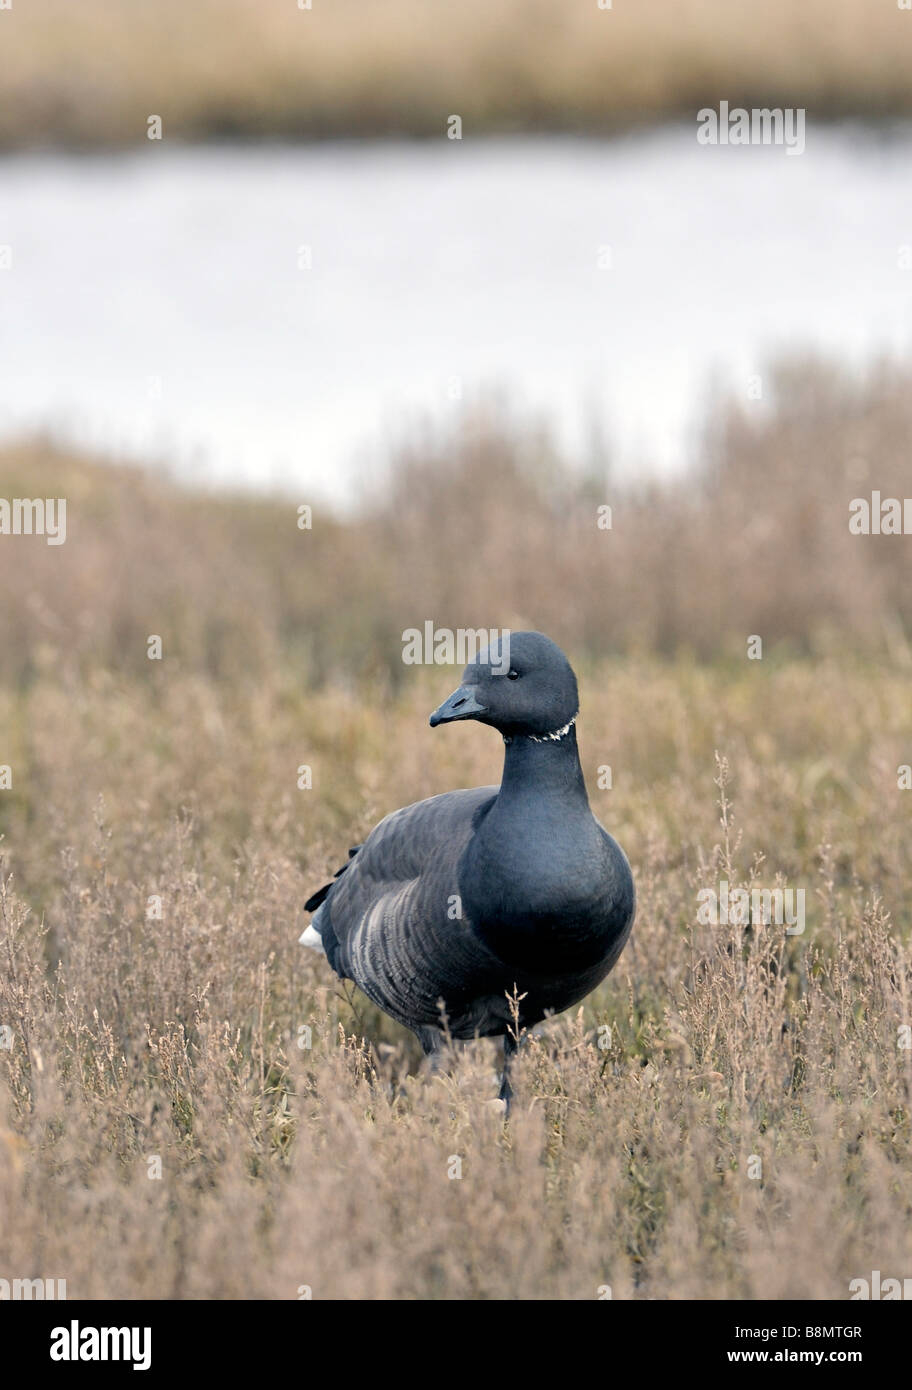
[457, 901]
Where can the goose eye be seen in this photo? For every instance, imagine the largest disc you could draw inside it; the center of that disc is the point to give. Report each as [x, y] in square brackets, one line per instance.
[512, 675]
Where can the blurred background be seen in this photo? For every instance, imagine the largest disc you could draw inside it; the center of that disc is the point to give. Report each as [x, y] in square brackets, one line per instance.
[305, 289]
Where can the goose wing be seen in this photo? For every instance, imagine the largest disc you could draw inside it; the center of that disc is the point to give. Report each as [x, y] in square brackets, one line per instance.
[392, 919]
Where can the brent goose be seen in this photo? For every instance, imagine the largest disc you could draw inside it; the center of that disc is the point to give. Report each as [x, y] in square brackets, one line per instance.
[455, 903]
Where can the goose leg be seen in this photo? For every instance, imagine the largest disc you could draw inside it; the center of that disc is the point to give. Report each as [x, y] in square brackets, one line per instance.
[510, 1048]
[433, 1046]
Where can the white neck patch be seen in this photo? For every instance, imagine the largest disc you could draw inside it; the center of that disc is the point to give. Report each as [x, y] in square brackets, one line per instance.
[555, 735]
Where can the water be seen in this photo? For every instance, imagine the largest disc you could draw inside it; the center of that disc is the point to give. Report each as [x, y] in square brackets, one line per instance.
[159, 304]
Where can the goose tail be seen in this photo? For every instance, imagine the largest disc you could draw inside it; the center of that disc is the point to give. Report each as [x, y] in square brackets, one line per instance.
[312, 938]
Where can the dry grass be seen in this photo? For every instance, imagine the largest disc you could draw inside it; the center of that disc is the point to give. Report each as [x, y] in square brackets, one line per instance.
[92, 73]
[328, 1166]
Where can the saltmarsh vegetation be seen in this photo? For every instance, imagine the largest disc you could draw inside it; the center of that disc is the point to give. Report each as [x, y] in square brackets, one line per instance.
[92, 73]
[191, 1106]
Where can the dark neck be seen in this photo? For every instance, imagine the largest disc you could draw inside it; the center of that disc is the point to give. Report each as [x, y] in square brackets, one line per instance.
[551, 767]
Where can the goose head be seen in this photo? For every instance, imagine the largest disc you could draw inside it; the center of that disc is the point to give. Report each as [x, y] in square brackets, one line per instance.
[522, 686]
